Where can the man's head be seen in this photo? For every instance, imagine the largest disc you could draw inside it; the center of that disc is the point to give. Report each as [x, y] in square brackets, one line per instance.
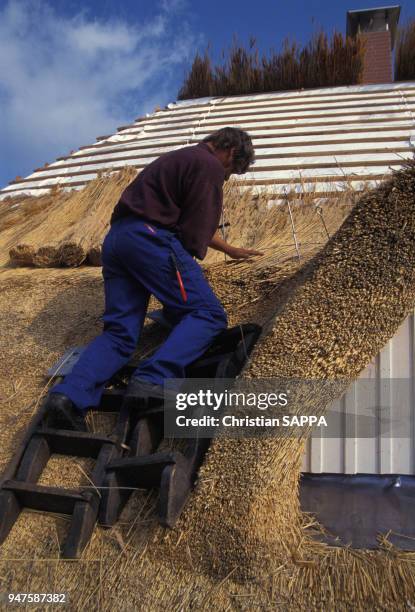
[233, 147]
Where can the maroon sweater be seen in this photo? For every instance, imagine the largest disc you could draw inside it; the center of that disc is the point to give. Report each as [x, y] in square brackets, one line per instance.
[182, 191]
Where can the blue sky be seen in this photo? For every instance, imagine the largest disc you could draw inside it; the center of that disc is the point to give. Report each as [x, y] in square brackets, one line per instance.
[71, 70]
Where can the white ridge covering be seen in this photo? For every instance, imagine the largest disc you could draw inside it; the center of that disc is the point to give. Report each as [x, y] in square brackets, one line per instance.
[331, 136]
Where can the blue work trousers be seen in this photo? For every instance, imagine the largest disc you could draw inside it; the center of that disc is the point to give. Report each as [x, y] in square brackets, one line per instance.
[140, 259]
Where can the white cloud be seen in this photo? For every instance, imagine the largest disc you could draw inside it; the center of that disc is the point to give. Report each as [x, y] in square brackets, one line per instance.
[65, 80]
[173, 5]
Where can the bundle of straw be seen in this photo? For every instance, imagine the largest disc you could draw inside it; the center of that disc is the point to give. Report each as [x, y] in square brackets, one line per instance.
[84, 239]
[405, 53]
[322, 62]
[21, 215]
[75, 224]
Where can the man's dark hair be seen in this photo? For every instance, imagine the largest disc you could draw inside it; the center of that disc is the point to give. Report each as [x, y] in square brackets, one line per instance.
[229, 137]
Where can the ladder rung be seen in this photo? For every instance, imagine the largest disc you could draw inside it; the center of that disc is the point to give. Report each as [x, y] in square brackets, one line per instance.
[46, 499]
[144, 472]
[79, 443]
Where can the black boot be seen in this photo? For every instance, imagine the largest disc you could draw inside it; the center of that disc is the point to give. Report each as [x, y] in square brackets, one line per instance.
[143, 395]
[143, 389]
[61, 413]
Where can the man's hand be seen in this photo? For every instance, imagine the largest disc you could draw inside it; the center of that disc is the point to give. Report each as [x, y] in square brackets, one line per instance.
[234, 252]
[240, 253]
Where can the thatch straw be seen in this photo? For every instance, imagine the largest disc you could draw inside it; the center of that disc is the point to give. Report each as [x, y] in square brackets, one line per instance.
[242, 542]
[94, 256]
[405, 52]
[320, 63]
[81, 220]
[20, 215]
[73, 225]
[363, 280]
[87, 235]
[255, 220]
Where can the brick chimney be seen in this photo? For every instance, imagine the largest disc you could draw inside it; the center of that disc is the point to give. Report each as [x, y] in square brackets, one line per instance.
[378, 27]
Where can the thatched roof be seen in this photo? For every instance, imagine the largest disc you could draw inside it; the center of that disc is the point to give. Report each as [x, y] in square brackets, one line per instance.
[243, 540]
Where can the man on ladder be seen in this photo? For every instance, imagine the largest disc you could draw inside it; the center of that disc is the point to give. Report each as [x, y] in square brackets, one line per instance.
[168, 215]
